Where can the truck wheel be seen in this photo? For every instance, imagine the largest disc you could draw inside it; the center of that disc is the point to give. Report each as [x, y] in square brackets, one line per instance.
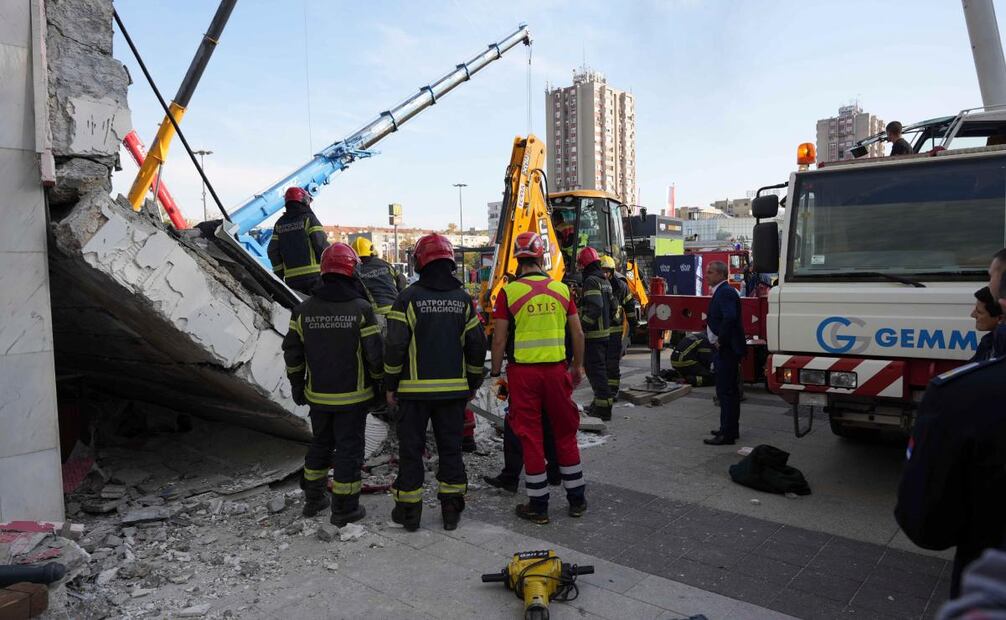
[852, 433]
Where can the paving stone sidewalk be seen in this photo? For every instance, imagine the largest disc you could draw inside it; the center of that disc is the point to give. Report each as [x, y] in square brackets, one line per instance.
[795, 571]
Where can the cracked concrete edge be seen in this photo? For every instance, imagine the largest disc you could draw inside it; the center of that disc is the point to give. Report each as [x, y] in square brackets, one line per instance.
[181, 303]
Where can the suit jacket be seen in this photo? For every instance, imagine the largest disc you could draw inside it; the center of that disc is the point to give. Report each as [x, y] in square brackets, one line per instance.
[724, 319]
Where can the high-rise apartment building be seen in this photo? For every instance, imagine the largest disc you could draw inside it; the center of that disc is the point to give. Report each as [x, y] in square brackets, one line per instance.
[836, 135]
[591, 137]
[493, 209]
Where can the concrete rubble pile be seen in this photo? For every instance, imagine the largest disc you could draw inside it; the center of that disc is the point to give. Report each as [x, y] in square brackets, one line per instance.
[138, 310]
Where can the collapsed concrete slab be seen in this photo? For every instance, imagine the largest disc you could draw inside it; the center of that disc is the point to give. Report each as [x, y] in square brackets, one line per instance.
[140, 311]
[152, 316]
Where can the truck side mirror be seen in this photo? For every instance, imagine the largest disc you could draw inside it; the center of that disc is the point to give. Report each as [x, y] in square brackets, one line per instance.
[642, 212]
[765, 247]
[764, 207]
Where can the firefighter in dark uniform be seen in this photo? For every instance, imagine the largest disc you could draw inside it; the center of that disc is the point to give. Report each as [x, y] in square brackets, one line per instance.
[621, 308]
[433, 363]
[595, 315]
[380, 278]
[953, 488]
[297, 242]
[333, 355]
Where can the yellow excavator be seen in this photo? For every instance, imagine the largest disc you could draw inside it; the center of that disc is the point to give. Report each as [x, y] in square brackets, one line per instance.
[566, 221]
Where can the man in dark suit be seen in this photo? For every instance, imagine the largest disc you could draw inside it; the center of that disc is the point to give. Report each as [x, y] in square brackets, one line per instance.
[724, 329]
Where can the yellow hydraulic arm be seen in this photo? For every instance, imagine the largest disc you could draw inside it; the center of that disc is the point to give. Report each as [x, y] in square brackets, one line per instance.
[636, 285]
[524, 208]
[158, 153]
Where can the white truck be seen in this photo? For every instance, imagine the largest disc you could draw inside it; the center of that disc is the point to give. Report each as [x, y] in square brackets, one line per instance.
[878, 262]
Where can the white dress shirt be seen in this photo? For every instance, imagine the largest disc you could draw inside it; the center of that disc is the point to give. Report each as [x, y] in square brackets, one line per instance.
[713, 338]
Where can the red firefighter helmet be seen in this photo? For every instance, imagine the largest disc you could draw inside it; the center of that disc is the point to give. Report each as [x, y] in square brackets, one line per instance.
[587, 256]
[339, 259]
[529, 245]
[297, 194]
[432, 247]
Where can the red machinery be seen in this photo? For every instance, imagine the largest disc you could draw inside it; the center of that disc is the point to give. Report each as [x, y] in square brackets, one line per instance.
[135, 147]
[735, 260]
[688, 313]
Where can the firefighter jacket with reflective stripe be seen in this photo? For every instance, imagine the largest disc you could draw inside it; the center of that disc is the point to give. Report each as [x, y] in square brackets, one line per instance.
[621, 301]
[334, 350]
[539, 306]
[595, 304]
[381, 280]
[436, 348]
[297, 242]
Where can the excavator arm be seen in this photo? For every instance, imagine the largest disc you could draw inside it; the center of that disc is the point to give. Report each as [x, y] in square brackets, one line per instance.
[524, 208]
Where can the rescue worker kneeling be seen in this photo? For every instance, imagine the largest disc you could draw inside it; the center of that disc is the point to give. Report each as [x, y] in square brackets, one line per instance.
[532, 316]
[433, 363]
[333, 355]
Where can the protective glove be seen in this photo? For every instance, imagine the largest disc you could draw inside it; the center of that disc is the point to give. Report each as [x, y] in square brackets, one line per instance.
[298, 394]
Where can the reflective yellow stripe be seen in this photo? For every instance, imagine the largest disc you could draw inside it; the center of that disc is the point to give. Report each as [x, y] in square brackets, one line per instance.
[398, 316]
[376, 375]
[293, 370]
[541, 342]
[408, 497]
[596, 334]
[452, 489]
[346, 488]
[315, 229]
[587, 320]
[592, 291]
[472, 324]
[277, 268]
[370, 331]
[346, 398]
[382, 309]
[295, 326]
[314, 474]
[392, 370]
[475, 370]
[359, 366]
[433, 385]
[301, 271]
[602, 402]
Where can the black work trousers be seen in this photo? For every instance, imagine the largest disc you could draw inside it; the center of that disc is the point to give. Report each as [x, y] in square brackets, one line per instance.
[513, 454]
[595, 364]
[343, 432]
[613, 360]
[727, 366]
[448, 418]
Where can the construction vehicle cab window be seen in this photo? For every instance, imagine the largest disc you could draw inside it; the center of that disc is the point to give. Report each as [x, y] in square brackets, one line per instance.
[758, 371]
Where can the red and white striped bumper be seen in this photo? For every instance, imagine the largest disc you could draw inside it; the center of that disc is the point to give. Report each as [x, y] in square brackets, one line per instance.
[879, 378]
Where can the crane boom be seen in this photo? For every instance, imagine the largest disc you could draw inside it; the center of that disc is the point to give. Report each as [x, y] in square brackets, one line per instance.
[319, 171]
[987, 49]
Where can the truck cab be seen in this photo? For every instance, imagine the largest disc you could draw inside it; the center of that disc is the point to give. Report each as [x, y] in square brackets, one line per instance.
[878, 262]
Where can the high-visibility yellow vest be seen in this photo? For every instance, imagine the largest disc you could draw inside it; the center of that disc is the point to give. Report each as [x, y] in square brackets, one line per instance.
[539, 305]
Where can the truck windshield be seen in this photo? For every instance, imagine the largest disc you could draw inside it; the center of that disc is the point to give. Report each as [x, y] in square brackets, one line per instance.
[942, 217]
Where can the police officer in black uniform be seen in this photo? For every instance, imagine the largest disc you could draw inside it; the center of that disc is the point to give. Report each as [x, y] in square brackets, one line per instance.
[595, 315]
[433, 363]
[297, 242]
[333, 355]
[953, 488]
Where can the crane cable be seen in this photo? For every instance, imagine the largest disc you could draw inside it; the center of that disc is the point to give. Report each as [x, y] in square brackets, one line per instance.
[307, 80]
[529, 89]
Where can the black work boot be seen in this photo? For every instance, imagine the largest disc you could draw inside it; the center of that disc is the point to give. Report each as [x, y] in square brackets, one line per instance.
[468, 444]
[315, 496]
[532, 513]
[577, 506]
[407, 515]
[451, 508]
[346, 509]
[500, 482]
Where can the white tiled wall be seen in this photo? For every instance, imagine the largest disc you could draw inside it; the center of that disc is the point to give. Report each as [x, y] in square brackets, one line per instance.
[30, 477]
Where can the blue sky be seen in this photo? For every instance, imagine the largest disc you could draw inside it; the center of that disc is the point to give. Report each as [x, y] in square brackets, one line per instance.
[725, 90]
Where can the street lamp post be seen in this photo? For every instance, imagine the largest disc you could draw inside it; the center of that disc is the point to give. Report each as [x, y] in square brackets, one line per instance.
[461, 212]
[202, 153]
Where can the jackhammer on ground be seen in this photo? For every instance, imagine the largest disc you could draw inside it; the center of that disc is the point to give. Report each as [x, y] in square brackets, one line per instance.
[538, 577]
